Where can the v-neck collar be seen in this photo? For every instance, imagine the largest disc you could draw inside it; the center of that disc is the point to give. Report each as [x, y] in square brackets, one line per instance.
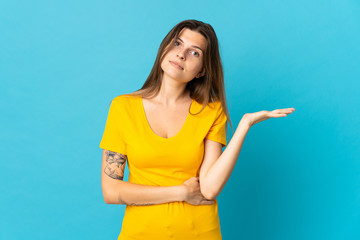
[151, 132]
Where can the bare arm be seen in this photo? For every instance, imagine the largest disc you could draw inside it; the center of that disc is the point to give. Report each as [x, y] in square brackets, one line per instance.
[117, 191]
[217, 167]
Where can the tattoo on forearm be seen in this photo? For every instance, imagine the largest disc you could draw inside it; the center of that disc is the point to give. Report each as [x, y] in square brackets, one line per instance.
[134, 204]
[114, 168]
[140, 204]
[115, 165]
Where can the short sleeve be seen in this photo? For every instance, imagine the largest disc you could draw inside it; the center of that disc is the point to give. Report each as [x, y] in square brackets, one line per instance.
[217, 131]
[113, 138]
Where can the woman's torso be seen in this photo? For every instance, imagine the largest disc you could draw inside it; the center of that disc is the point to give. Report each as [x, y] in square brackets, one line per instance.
[157, 161]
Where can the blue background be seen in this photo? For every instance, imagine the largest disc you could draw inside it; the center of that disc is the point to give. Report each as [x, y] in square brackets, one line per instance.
[61, 63]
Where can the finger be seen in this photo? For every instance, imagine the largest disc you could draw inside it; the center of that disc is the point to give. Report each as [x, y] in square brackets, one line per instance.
[285, 110]
[276, 115]
[280, 113]
[288, 110]
[206, 202]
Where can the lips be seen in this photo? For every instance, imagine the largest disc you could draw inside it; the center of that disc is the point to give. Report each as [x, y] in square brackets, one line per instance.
[177, 65]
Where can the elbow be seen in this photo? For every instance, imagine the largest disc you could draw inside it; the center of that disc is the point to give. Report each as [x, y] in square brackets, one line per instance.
[105, 195]
[210, 197]
[106, 198]
[207, 190]
[112, 194]
[208, 193]
[110, 198]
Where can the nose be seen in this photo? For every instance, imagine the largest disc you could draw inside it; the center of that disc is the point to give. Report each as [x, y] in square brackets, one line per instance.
[180, 54]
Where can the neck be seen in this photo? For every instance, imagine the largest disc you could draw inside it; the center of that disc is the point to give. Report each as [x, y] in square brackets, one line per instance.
[172, 92]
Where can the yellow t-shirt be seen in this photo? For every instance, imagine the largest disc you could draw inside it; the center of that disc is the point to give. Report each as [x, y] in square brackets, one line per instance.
[158, 161]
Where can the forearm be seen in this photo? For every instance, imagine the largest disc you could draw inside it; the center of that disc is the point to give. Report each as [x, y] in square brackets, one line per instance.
[219, 173]
[127, 193]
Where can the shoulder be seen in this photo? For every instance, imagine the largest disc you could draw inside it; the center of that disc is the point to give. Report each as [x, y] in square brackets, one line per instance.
[210, 105]
[127, 105]
[217, 110]
[124, 99]
[215, 107]
[209, 112]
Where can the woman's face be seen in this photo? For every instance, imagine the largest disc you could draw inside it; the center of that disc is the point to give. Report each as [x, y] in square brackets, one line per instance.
[187, 51]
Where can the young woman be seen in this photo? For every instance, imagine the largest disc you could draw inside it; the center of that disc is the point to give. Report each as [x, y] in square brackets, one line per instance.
[171, 132]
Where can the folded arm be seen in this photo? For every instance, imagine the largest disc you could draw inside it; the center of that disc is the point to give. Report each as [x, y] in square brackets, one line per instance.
[117, 191]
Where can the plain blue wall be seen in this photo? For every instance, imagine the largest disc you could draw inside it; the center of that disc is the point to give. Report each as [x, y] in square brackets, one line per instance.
[61, 62]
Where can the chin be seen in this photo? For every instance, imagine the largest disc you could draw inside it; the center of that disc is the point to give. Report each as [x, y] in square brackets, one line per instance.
[173, 75]
[172, 72]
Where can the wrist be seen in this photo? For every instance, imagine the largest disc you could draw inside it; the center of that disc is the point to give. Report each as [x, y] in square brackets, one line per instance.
[245, 123]
[181, 192]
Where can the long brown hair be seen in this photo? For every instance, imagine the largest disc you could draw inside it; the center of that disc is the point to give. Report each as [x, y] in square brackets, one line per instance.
[205, 89]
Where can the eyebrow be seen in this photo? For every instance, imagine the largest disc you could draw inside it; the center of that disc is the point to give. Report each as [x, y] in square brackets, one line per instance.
[192, 45]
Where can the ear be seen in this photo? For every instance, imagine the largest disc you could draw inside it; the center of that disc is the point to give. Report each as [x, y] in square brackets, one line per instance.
[200, 74]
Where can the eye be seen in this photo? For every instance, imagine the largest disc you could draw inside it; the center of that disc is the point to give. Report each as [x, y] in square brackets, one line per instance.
[176, 43]
[196, 53]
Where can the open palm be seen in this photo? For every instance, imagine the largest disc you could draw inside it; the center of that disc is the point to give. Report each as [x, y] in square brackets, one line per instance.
[256, 117]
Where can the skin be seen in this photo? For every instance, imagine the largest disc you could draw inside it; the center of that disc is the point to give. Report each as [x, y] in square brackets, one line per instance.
[114, 168]
[172, 98]
[217, 166]
[253, 118]
[170, 104]
[167, 112]
[188, 51]
[191, 59]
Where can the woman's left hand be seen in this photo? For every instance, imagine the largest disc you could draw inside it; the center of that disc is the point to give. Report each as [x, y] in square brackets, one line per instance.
[253, 118]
